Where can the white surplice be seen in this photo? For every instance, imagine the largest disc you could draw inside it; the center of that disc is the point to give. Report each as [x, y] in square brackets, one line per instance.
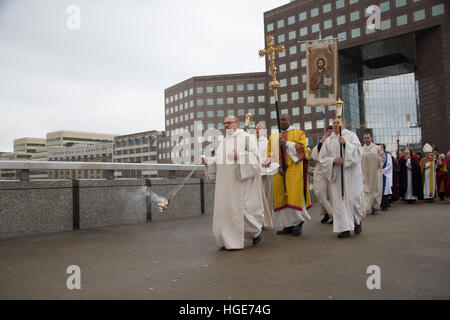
[345, 214]
[372, 162]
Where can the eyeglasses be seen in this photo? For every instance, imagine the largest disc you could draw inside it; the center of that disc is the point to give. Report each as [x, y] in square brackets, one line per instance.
[229, 122]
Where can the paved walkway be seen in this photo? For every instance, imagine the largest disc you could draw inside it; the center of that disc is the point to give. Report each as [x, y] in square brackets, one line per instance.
[178, 259]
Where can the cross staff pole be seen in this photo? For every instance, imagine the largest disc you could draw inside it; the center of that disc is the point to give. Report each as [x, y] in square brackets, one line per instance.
[274, 84]
[339, 107]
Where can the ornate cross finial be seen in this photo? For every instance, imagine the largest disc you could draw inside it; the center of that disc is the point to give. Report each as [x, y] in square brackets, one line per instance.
[270, 51]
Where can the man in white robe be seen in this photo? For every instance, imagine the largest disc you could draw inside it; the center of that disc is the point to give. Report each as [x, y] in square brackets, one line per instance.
[346, 217]
[266, 173]
[371, 164]
[238, 206]
[386, 178]
[320, 184]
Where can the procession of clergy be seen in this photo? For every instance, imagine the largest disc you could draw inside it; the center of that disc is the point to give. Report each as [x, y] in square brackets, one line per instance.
[263, 183]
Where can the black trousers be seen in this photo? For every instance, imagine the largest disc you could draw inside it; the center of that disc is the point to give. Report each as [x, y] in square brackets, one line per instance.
[384, 201]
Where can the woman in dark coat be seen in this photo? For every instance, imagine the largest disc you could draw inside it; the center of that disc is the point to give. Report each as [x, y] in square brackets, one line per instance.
[410, 178]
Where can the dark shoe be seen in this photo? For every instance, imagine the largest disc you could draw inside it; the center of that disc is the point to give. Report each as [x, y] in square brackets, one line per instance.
[384, 209]
[286, 230]
[330, 222]
[358, 228]
[257, 240]
[298, 229]
[325, 218]
[374, 212]
[344, 234]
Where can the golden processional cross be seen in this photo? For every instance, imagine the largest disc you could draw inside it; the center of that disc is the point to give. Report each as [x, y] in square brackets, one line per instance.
[274, 85]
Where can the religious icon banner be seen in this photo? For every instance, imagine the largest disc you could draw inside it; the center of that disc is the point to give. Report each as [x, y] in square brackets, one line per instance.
[321, 73]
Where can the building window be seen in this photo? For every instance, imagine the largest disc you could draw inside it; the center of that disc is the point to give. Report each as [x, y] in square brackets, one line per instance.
[328, 24]
[260, 86]
[303, 31]
[280, 24]
[282, 54]
[219, 100]
[293, 50]
[292, 35]
[230, 112]
[303, 78]
[294, 80]
[273, 115]
[386, 24]
[281, 38]
[339, 4]
[230, 88]
[241, 112]
[210, 102]
[291, 20]
[220, 113]
[303, 63]
[308, 125]
[306, 110]
[384, 6]
[209, 90]
[293, 65]
[210, 114]
[356, 33]
[219, 88]
[353, 2]
[402, 20]
[261, 98]
[199, 102]
[270, 27]
[250, 87]
[284, 97]
[283, 83]
[251, 99]
[302, 16]
[327, 8]
[200, 90]
[400, 3]
[296, 111]
[240, 100]
[294, 96]
[240, 87]
[314, 12]
[354, 16]
[200, 114]
[315, 28]
[437, 10]
[261, 111]
[230, 100]
[283, 67]
[419, 15]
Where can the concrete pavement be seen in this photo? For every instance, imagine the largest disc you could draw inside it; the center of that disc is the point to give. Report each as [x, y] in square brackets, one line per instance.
[178, 259]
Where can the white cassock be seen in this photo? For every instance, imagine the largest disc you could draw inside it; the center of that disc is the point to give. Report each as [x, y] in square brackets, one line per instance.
[387, 173]
[344, 214]
[320, 184]
[238, 206]
[372, 162]
[267, 180]
[409, 188]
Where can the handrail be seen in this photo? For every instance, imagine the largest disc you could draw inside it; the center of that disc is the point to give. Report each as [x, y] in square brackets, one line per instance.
[65, 165]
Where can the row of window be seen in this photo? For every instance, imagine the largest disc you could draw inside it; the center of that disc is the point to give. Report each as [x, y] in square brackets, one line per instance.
[137, 159]
[213, 89]
[132, 151]
[132, 142]
[339, 4]
[354, 16]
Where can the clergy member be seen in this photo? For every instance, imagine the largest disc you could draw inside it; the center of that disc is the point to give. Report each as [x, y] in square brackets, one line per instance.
[266, 173]
[346, 217]
[371, 164]
[442, 178]
[320, 184]
[410, 177]
[238, 209]
[291, 191]
[428, 170]
[387, 178]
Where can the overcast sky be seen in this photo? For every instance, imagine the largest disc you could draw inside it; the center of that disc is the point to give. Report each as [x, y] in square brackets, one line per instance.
[110, 75]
